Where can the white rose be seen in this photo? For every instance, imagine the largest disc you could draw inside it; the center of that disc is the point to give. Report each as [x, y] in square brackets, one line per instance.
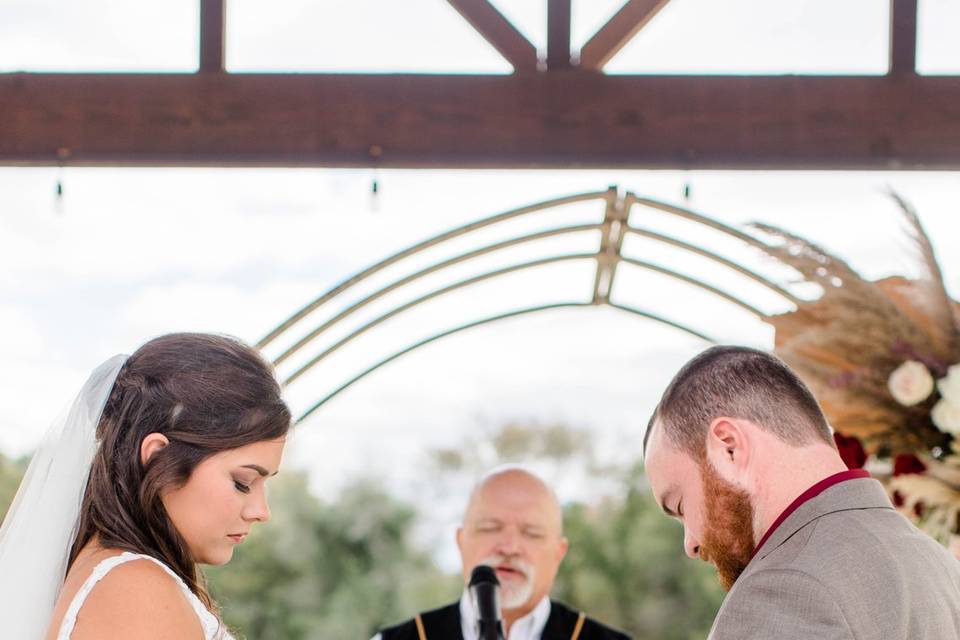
[911, 383]
[950, 385]
[946, 416]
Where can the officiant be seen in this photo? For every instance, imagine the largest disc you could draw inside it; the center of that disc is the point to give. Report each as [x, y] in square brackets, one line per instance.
[512, 523]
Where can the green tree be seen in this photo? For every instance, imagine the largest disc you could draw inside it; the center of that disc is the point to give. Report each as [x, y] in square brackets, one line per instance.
[554, 443]
[11, 472]
[626, 567]
[321, 571]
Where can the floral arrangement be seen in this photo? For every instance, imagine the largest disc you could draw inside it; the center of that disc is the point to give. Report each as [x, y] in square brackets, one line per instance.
[883, 358]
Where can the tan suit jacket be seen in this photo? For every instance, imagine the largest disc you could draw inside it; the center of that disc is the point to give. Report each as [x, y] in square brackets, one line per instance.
[845, 566]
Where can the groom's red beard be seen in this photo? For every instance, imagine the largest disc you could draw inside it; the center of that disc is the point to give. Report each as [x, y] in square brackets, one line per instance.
[727, 541]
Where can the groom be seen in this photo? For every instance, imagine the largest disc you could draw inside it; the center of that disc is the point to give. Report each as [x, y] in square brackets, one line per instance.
[739, 451]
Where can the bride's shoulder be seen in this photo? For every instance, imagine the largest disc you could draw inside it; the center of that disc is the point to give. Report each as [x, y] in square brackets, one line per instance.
[133, 597]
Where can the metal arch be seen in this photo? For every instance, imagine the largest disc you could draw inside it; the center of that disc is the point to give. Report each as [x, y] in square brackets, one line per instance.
[697, 283]
[503, 271]
[620, 208]
[614, 222]
[429, 296]
[658, 318]
[476, 323]
[426, 244]
[692, 216]
[756, 277]
[427, 271]
[613, 229]
[616, 225]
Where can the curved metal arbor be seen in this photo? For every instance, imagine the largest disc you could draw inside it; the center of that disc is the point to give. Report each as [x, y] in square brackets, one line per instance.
[613, 230]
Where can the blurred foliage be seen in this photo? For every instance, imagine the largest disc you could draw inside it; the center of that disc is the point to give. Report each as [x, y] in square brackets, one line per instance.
[321, 571]
[513, 442]
[11, 471]
[346, 568]
[626, 567]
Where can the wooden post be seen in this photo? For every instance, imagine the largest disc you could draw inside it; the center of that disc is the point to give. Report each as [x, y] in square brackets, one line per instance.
[212, 31]
[558, 34]
[903, 36]
[619, 30]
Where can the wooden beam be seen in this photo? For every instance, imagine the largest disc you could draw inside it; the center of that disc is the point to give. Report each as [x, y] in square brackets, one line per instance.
[618, 31]
[557, 120]
[499, 32]
[212, 35]
[903, 36]
[558, 34]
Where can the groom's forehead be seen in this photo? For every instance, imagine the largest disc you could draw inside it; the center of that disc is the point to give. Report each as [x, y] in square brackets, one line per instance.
[658, 470]
[667, 465]
[658, 450]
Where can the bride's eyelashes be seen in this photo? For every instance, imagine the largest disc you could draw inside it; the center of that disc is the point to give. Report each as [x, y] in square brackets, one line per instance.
[242, 488]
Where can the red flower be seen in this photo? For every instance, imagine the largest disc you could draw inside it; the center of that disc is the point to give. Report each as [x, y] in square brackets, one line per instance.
[907, 463]
[898, 499]
[851, 451]
[919, 508]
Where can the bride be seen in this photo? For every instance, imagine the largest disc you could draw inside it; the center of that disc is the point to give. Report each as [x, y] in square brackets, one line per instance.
[159, 465]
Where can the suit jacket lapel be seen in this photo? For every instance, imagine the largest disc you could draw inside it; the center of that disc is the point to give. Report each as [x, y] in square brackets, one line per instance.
[862, 493]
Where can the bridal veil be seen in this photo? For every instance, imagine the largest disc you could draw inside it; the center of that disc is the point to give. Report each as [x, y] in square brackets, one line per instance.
[40, 526]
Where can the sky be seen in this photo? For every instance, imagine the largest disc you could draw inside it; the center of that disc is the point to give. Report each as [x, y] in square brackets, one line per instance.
[127, 254]
[687, 36]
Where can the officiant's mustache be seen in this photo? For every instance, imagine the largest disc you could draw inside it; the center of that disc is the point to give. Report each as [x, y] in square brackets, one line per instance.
[504, 562]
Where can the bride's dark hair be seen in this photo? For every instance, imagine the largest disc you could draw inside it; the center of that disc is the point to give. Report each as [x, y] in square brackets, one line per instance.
[206, 394]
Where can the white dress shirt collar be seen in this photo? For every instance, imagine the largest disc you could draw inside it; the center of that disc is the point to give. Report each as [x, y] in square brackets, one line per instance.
[529, 627]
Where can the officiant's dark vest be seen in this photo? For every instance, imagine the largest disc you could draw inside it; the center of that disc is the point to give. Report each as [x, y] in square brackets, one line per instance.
[444, 624]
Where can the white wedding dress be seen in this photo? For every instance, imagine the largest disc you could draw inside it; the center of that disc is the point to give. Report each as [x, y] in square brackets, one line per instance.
[212, 628]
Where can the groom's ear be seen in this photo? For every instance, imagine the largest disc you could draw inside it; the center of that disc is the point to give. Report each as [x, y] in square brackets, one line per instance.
[151, 444]
[728, 446]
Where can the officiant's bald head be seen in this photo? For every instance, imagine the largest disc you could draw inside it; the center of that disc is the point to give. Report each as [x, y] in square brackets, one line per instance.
[519, 483]
[513, 522]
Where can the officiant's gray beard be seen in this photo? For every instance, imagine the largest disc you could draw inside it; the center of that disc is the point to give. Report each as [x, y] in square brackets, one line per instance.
[513, 596]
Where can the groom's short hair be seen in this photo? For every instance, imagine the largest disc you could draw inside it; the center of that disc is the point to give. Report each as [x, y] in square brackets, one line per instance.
[738, 382]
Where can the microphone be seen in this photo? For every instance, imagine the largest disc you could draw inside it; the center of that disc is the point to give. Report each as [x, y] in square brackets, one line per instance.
[485, 591]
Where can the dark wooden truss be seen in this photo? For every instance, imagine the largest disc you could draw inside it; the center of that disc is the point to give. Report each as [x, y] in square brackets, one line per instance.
[560, 112]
